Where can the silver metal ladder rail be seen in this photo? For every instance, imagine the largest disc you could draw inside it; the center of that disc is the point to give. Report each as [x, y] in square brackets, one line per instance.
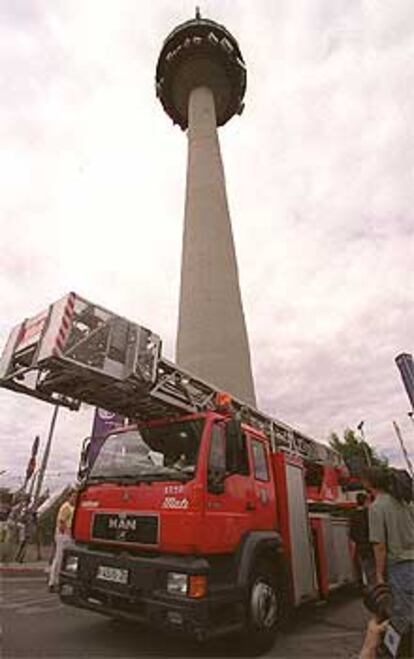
[77, 352]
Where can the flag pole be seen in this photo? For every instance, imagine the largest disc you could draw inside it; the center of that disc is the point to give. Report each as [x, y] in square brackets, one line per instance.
[45, 459]
[403, 448]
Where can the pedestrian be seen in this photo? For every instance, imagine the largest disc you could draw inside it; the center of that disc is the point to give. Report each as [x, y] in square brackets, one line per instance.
[24, 528]
[62, 538]
[11, 533]
[359, 534]
[391, 530]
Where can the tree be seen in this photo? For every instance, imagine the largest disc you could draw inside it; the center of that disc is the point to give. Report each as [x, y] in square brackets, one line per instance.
[356, 452]
[6, 501]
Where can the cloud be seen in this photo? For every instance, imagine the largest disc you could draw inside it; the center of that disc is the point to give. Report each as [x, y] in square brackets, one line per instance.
[320, 181]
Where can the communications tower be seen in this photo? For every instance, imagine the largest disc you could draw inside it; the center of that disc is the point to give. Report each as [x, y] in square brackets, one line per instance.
[201, 81]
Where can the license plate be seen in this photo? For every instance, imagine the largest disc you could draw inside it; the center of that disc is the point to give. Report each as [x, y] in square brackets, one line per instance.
[114, 574]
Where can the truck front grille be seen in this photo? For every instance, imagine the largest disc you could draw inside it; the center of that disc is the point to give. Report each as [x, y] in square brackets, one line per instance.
[121, 527]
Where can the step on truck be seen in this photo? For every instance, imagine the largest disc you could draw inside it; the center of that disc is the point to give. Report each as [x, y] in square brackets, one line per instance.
[201, 515]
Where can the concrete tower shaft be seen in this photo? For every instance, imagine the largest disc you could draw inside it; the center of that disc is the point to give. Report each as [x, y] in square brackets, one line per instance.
[212, 337]
[201, 80]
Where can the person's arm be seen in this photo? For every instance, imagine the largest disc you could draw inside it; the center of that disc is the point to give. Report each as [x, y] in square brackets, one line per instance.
[380, 553]
[62, 526]
[62, 519]
[353, 527]
[377, 537]
[372, 639]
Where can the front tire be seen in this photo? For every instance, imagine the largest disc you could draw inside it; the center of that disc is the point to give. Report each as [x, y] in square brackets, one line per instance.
[264, 608]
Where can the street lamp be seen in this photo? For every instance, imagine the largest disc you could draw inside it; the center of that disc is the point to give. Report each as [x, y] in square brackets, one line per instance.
[42, 470]
[360, 427]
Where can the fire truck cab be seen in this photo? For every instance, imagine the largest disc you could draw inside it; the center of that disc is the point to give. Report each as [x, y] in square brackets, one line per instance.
[194, 525]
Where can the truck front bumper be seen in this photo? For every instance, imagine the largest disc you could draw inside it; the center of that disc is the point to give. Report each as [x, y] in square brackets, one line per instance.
[145, 598]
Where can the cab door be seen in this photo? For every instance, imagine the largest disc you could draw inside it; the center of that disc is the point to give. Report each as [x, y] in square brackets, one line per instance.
[263, 483]
[230, 497]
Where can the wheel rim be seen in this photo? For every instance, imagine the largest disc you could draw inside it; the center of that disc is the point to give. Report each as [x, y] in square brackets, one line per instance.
[263, 605]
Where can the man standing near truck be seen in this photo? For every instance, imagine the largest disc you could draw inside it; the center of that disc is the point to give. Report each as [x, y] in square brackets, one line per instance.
[62, 537]
[391, 530]
[359, 534]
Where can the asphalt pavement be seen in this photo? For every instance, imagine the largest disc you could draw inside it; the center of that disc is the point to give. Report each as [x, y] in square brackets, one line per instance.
[35, 624]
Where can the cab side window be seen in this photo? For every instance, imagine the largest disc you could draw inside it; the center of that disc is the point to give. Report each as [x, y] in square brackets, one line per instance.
[223, 458]
[238, 464]
[217, 456]
[260, 466]
[243, 467]
[216, 469]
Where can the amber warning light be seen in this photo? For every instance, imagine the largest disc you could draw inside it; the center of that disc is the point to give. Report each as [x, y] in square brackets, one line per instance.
[223, 401]
[197, 586]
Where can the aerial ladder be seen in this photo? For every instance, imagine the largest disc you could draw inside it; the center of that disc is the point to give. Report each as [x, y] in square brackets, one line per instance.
[77, 352]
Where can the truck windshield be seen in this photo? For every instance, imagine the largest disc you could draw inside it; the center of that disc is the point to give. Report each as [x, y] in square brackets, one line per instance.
[156, 453]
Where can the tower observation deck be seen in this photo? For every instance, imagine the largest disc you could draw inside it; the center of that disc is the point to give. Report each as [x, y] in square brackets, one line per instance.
[201, 82]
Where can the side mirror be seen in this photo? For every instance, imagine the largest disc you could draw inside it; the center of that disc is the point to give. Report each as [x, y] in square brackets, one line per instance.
[84, 466]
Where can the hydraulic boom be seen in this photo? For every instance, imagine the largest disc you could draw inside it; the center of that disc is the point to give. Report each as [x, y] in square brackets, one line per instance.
[77, 351]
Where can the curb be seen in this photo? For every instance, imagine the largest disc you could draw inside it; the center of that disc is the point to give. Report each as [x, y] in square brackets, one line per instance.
[23, 571]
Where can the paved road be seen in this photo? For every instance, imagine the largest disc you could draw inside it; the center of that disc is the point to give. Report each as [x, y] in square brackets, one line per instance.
[36, 624]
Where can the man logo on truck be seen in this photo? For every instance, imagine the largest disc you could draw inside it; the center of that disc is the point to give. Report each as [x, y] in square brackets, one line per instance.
[120, 524]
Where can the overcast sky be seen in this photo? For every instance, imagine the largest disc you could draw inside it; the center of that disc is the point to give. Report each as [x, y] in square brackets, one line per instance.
[320, 177]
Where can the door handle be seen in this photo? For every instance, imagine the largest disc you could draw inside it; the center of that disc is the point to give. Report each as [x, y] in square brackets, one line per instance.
[250, 505]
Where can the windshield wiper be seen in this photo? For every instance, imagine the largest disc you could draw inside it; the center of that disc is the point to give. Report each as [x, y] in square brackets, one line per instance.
[128, 479]
[148, 478]
[119, 480]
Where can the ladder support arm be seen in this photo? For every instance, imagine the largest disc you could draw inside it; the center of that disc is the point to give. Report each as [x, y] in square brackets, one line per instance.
[76, 351]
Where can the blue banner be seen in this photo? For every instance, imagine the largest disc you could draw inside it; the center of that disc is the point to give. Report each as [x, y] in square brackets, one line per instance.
[103, 424]
[406, 366]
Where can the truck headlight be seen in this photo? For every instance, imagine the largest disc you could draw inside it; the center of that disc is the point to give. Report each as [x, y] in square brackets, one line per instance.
[177, 583]
[71, 563]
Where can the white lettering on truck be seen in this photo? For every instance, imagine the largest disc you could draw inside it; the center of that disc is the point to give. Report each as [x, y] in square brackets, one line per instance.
[172, 503]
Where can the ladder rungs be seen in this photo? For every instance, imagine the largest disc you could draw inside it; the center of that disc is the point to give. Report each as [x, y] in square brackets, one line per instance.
[77, 351]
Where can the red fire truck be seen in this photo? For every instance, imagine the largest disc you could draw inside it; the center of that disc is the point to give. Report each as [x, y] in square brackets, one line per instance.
[201, 515]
